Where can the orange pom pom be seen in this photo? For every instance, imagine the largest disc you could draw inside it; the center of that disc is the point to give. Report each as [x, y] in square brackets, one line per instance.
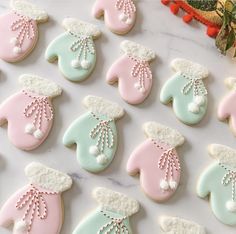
[174, 8]
[165, 2]
[212, 31]
[187, 18]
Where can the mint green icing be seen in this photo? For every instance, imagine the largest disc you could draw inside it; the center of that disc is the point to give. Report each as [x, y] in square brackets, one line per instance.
[172, 92]
[95, 221]
[210, 184]
[79, 133]
[59, 49]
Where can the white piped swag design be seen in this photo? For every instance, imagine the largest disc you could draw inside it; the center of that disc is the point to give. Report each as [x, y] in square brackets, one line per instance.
[19, 30]
[74, 49]
[37, 207]
[157, 161]
[218, 182]
[29, 113]
[95, 133]
[112, 216]
[186, 91]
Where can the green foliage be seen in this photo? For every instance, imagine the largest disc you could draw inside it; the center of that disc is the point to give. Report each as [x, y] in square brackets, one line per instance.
[204, 5]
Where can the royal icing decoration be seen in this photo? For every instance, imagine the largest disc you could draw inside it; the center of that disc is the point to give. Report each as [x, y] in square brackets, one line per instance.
[37, 208]
[97, 147]
[186, 91]
[119, 15]
[20, 30]
[74, 49]
[218, 182]
[160, 171]
[112, 216]
[30, 112]
[226, 107]
[132, 72]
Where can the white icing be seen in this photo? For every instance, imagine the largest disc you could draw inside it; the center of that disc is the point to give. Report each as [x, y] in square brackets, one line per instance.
[93, 150]
[231, 206]
[85, 64]
[13, 41]
[175, 225]
[30, 10]
[20, 226]
[173, 184]
[189, 68]
[115, 201]
[75, 63]
[79, 27]
[137, 51]
[38, 134]
[123, 17]
[29, 128]
[17, 50]
[230, 82]
[224, 154]
[40, 85]
[102, 159]
[48, 178]
[99, 105]
[164, 185]
[193, 107]
[163, 133]
[200, 100]
[129, 21]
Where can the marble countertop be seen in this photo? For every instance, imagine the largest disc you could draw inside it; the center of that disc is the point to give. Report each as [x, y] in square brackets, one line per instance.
[170, 38]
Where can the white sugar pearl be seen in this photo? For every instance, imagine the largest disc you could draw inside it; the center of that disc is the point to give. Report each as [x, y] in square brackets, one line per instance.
[75, 63]
[85, 64]
[38, 134]
[102, 159]
[173, 184]
[17, 50]
[129, 21]
[20, 226]
[123, 17]
[199, 100]
[29, 129]
[93, 150]
[13, 41]
[231, 206]
[164, 185]
[193, 107]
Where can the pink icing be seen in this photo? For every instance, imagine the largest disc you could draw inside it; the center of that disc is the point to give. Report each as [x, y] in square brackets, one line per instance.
[227, 109]
[145, 160]
[16, 110]
[11, 24]
[112, 15]
[47, 220]
[123, 70]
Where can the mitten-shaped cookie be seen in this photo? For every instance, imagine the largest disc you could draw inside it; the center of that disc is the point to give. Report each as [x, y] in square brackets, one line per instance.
[227, 107]
[119, 15]
[74, 49]
[157, 161]
[112, 215]
[218, 182]
[133, 72]
[19, 30]
[95, 133]
[176, 225]
[37, 208]
[29, 113]
[186, 91]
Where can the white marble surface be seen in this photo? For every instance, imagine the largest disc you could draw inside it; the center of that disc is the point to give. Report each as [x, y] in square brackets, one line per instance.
[170, 38]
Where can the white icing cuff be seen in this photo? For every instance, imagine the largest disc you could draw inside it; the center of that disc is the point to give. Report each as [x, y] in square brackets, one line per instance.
[40, 85]
[99, 105]
[116, 202]
[137, 51]
[189, 68]
[79, 27]
[177, 225]
[48, 178]
[230, 82]
[224, 154]
[30, 10]
[163, 133]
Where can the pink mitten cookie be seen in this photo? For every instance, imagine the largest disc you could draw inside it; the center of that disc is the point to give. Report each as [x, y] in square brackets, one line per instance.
[29, 113]
[133, 72]
[157, 161]
[227, 108]
[119, 15]
[19, 30]
[37, 208]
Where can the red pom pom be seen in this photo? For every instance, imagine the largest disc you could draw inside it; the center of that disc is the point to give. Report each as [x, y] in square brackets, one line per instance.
[165, 2]
[212, 31]
[174, 8]
[187, 18]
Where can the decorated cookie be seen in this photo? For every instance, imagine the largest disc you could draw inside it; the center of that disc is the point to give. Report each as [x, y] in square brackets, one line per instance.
[74, 49]
[119, 15]
[206, 12]
[186, 91]
[112, 216]
[157, 161]
[218, 182]
[95, 133]
[176, 225]
[226, 109]
[29, 113]
[37, 208]
[133, 72]
[19, 30]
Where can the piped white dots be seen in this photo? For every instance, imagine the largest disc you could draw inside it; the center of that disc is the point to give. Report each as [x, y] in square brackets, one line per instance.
[29, 128]
[85, 64]
[194, 108]
[199, 100]
[38, 134]
[231, 206]
[173, 184]
[129, 21]
[75, 63]
[164, 185]
[94, 150]
[123, 17]
[17, 50]
[142, 90]
[102, 159]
